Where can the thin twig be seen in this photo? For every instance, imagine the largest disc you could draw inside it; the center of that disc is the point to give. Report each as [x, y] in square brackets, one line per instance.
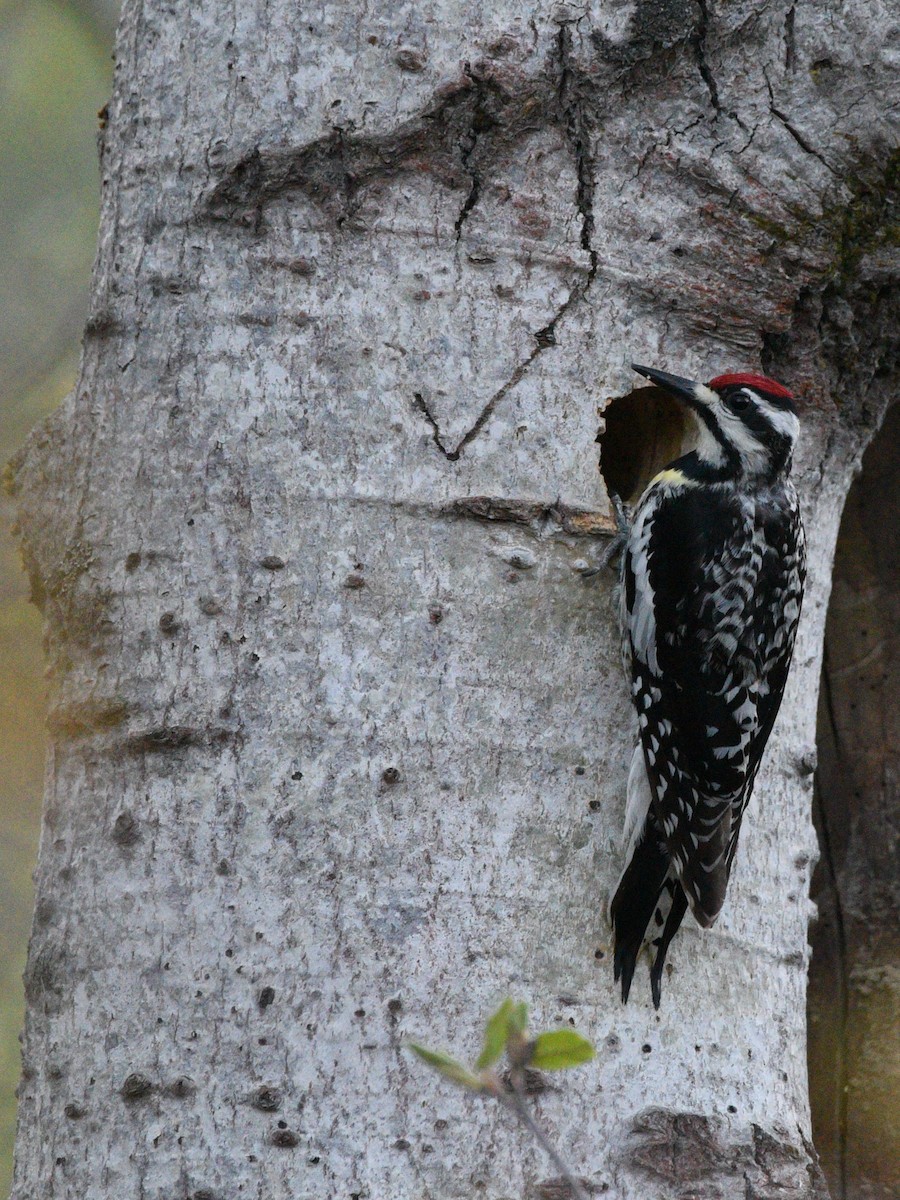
[516, 1103]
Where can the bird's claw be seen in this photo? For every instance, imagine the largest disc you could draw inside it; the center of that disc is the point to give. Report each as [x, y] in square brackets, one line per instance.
[620, 512]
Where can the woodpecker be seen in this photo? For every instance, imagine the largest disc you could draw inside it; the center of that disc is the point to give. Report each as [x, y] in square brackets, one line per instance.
[713, 573]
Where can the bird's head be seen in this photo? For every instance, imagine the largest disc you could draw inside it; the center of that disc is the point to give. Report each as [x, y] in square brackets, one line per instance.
[747, 423]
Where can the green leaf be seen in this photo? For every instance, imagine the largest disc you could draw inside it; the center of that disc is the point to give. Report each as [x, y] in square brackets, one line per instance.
[560, 1049]
[447, 1066]
[518, 1019]
[495, 1034]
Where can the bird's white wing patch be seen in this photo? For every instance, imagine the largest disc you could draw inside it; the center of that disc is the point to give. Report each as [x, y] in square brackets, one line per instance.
[640, 617]
[638, 803]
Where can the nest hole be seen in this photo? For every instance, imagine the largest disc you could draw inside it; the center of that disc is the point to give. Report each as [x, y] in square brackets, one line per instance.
[642, 433]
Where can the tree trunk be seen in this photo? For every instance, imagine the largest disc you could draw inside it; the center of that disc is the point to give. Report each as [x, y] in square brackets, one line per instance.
[339, 729]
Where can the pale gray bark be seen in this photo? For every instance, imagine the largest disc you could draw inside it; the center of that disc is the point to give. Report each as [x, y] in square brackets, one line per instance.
[339, 745]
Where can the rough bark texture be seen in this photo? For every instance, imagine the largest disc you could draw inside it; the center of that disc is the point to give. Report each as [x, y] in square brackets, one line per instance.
[854, 1002]
[339, 745]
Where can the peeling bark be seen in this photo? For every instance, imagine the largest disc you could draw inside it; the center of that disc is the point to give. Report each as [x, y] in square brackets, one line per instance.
[339, 731]
[700, 1156]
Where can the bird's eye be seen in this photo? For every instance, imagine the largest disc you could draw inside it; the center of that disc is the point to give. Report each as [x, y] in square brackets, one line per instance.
[739, 402]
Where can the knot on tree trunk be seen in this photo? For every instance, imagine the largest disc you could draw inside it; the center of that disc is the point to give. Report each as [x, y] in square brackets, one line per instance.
[693, 1155]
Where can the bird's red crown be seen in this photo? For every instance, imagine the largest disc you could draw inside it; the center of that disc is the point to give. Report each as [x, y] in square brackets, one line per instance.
[759, 383]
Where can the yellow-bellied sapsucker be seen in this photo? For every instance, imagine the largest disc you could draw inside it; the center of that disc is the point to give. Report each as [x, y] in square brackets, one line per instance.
[713, 574]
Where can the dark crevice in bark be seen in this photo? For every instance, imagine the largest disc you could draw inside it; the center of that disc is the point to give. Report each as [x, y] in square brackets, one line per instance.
[800, 139]
[485, 415]
[578, 134]
[544, 339]
[699, 43]
[470, 201]
[574, 115]
[422, 407]
[790, 46]
[346, 177]
[467, 149]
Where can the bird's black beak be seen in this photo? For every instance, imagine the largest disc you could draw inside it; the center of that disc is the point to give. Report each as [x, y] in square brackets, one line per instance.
[684, 389]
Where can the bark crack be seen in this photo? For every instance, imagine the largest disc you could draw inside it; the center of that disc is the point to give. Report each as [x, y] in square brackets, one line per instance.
[578, 134]
[345, 177]
[795, 133]
[801, 140]
[466, 150]
[577, 130]
[544, 338]
[699, 44]
[790, 45]
[422, 407]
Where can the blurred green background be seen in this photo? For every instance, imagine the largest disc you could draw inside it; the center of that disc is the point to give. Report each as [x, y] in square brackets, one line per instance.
[55, 73]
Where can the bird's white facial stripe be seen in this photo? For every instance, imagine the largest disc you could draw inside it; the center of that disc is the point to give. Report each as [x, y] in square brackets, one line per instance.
[748, 446]
[699, 438]
[781, 420]
[751, 449]
[707, 397]
[736, 433]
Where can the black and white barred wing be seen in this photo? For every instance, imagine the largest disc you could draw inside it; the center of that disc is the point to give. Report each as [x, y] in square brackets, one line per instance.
[774, 618]
[693, 582]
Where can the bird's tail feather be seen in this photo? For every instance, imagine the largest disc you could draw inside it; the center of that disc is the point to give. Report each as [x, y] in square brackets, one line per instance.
[673, 921]
[634, 904]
